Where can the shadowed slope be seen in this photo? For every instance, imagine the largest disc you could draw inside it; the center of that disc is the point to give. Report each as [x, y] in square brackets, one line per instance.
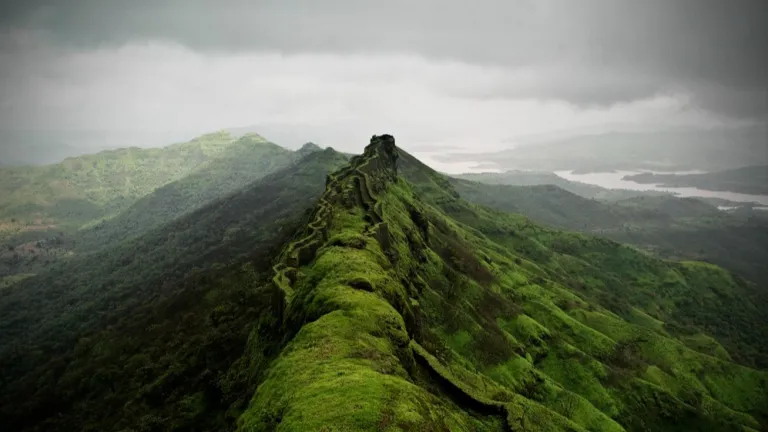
[98, 201]
[140, 336]
[245, 161]
[84, 188]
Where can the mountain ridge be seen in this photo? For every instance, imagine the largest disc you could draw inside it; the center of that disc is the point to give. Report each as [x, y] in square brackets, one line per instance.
[379, 300]
[352, 187]
[247, 159]
[104, 182]
[177, 300]
[303, 251]
[389, 316]
[671, 227]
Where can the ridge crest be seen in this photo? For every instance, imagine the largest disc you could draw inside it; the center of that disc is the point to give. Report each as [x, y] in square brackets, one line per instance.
[355, 185]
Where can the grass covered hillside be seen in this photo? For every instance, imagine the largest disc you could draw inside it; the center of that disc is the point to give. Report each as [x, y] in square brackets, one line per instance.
[86, 188]
[368, 295]
[221, 165]
[402, 307]
[145, 335]
[246, 160]
[101, 183]
[671, 227]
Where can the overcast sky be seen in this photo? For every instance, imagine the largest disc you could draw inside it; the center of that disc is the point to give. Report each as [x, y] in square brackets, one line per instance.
[475, 74]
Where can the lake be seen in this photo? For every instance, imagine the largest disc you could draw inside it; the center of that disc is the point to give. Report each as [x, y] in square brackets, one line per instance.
[614, 180]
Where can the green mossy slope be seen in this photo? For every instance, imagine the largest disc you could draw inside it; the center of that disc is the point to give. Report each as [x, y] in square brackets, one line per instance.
[398, 311]
[146, 335]
[246, 160]
[667, 226]
[138, 187]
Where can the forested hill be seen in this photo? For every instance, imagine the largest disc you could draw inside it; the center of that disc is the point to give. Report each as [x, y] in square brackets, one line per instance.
[146, 334]
[367, 295]
[245, 160]
[52, 217]
[668, 226]
[86, 188]
[402, 307]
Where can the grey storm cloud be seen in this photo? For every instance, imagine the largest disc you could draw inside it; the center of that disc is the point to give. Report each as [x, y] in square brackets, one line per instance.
[597, 52]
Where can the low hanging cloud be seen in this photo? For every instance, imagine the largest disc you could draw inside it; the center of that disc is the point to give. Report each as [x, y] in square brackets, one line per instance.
[603, 51]
[333, 98]
[444, 73]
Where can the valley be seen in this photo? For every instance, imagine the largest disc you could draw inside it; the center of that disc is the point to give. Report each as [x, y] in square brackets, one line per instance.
[345, 216]
[269, 289]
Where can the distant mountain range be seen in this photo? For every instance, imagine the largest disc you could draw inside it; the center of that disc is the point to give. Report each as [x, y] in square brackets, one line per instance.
[747, 180]
[84, 188]
[676, 150]
[50, 147]
[533, 178]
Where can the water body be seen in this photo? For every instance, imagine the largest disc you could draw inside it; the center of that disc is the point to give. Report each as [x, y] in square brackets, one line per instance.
[614, 180]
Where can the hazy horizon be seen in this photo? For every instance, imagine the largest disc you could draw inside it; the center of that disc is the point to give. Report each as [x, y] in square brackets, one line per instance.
[436, 75]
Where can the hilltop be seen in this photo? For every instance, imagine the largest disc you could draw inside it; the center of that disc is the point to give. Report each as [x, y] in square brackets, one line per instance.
[98, 201]
[84, 189]
[245, 160]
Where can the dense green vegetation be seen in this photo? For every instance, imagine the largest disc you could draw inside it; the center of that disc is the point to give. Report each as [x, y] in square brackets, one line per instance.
[87, 188]
[671, 227]
[407, 308]
[748, 180]
[213, 166]
[369, 294]
[247, 159]
[142, 335]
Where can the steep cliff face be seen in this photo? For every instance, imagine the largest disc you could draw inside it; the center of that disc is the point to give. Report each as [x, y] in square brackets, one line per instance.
[392, 315]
